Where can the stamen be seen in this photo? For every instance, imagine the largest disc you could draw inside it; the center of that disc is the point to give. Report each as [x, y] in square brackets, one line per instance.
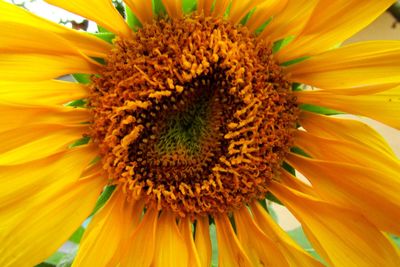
[192, 115]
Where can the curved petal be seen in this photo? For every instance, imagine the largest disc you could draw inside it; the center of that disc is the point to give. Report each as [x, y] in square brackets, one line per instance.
[265, 11]
[239, 9]
[51, 92]
[346, 152]
[375, 193]
[39, 67]
[142, 9]
[261, 250]
[88, 44]
[294, 183]
[34, 142]
[20, 181]
[140, 250]
[174, 8]
[220, 7]
[103, 236]
[102, 12]
[293, 253]
[344, 129]
[360, 64]
[203, 241]
[331, 23]
[38, 225]
[171, 249]
[186, 231]
[204, 6]
[15, 116]
[230, 251]
[290, 21]
[342, 237]
[383, 106]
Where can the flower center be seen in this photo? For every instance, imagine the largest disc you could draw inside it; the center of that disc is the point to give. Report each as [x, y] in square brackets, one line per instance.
[192, 115]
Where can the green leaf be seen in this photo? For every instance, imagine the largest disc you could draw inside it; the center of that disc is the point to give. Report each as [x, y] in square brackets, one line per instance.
[105, 195]
[82, 78]
[131, 19]
[188, 6]
[77, 235]
[298, 235]
[319, 109]
[106, 36]
[102, 29]
[53, 260]
[158, 8]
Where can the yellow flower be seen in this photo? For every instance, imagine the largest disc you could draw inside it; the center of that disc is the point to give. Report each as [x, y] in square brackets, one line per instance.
[192, 117]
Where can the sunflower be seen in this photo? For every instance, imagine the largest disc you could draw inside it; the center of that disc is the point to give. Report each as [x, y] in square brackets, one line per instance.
[189, 114]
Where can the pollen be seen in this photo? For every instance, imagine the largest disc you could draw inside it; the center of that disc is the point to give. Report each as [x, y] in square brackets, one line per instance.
[192, 115]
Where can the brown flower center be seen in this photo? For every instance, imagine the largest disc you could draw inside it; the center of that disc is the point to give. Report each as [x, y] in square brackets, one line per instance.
[192, 115]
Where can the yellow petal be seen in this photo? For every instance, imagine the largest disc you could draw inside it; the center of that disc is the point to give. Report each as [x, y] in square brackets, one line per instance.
[102, 12]
[383, 106]
[171, 249]
[174, 8]
[239, 9]
[140, 251]
[375, 193]
[290, 21]
[344, 129]
[20, 181]
[44, 220]
[88, 44]
[103, 236]
[220, 7]
[293, 182]
[37, 67]
[264, 12]
[261, 250]
[186, 231]
[293, 253]
[142, 9]
[230, 251]
[346, 152]
[33, 142]
[362, 90]
[204, 6]
[49, 92]
[360, 64]
[15, 116]
[203, 241]
[342, 237]
[331, 23]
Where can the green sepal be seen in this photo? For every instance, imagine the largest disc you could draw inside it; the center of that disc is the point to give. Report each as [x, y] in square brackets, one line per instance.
[294, 61]
[273, 198]
[80, 142]
[77, 235]
[101, 29]
[288, 168]
[260, 29]
[319, 109]
[132, 20]
[79, 103]
[105, 36]
[82, 78]
[103, 198]
[159, 9]
[214, 245]
[246, 18]
[299, 151]
[53, 260]
[278, 45]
